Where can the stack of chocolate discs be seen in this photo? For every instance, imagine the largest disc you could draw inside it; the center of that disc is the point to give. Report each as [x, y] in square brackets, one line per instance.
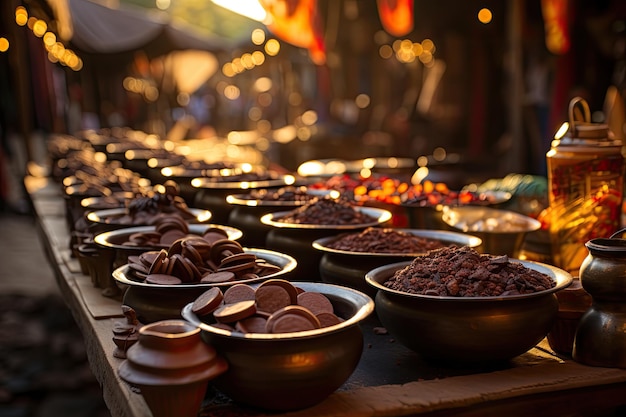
[199, 259]
[275, 306]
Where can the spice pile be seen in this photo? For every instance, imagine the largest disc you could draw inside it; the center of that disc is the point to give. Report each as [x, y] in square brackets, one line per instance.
[463, 272]
[384, 240]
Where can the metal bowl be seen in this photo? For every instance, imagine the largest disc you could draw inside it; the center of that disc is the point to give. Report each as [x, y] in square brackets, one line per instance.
[502, 231]
[112, 219]
[467, 330]
[211, 192]
[246, 215]
[289, 371]
[154, 302]
[379, 215]
[297, 239]
[348, 268]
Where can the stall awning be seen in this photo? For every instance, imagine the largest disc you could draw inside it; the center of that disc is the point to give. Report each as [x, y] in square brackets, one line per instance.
[97, 29]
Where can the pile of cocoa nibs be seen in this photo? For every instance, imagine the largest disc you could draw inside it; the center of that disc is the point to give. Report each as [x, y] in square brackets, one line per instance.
[327, 211]
[463, 272]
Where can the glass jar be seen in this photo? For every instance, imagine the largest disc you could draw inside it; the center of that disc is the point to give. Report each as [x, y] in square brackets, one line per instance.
[586, 180]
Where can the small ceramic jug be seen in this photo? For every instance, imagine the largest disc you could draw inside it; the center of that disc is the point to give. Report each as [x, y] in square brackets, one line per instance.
[171, 365]
[600, 338]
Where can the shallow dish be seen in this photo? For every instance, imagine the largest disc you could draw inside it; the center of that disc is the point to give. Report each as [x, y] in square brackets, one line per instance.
[290, 371]
[154, 302]
[467, 330]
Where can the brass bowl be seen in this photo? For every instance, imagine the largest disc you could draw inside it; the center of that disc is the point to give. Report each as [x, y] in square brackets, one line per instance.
[467, 330]
[289, 371]
[211, 192]
[502, 231]
[246, 213]
[153, 302]
[297, 239]
[348, 268]
[100, 221]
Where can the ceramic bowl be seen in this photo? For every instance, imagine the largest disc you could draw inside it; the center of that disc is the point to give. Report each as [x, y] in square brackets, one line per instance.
[502, 231]
[289, 371]
[348, 268]
[467, 330]
[297, 239]
[154, 302]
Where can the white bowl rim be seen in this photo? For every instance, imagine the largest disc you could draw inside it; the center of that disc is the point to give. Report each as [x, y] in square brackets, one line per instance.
[366, 308]
[562, 279]
[451, 237]
[381, 216]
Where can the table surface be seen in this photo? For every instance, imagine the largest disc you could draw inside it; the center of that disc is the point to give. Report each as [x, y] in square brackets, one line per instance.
[390, 380]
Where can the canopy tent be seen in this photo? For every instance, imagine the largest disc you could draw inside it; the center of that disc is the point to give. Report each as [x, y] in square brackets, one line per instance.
[93, 28]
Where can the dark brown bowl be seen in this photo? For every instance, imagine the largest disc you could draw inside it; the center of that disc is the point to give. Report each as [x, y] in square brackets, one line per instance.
[290, 371]
[467, 330]
[349, 268]
[154, 302]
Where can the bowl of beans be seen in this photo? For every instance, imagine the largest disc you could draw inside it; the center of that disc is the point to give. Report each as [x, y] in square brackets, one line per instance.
[456, 306]
[502, 231]
[347, 257]
[294, 231]
[288, 345]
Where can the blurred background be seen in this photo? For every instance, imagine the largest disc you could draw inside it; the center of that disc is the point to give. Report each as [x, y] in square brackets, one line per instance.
[478, 88]
[480, 85]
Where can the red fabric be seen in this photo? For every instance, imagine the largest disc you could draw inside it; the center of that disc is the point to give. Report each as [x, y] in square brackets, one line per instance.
[297, 22]
[556, 23]
[396, 16]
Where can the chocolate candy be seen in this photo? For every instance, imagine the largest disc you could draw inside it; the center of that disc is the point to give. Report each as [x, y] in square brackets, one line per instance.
[275, 306]
[192, 260]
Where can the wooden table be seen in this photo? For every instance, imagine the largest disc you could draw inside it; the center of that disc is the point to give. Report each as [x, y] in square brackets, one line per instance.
[389, 381]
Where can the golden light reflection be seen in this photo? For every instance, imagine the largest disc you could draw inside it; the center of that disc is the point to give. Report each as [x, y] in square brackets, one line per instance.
[49, 39]
[21, 15]
[309, 117]
[262, 84]
[163, 4]
[264, 126]
[439, 154]
[31, 22]
[39, 28]
[258, 58]
[422, 161]
[484, 16]
[232, 92]
[4, 44]
[272, 47]
[385, 51]
[419, 175]
[258, 36]
[255, 114]
[228, 70]
[362, 101]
